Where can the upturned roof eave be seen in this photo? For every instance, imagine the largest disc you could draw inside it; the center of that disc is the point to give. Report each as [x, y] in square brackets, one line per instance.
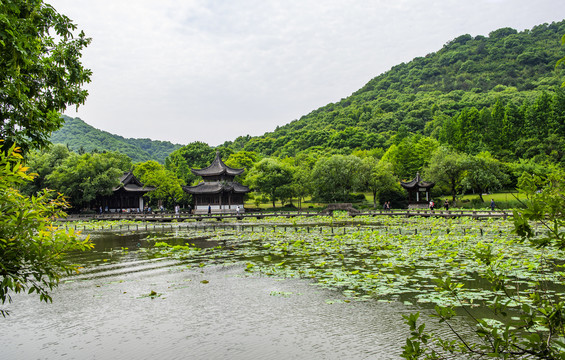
[413, 184]
[217, 167]
[216, 188]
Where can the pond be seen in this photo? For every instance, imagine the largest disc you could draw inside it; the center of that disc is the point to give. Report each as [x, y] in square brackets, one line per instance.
[276, 291]
[127, 303]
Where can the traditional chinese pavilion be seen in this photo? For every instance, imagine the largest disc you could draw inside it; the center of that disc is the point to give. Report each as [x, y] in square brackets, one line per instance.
[418, 191]
[128, 196]
[218, 190]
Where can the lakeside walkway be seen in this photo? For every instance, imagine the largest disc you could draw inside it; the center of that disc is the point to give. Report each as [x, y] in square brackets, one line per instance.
[169, 217]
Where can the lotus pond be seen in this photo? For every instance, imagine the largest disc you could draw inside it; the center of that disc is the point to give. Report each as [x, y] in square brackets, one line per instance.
[371, 259]
[308, 288]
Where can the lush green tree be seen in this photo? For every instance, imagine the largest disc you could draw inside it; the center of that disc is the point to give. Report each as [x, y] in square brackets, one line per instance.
[31, 245]
[302, 183]
[196, 155]
[242, 159]
[410, 155]
[271, 177]
[447, 168]
[538, 116]
[43, 163]
[40, 71]
[377, 177]
[424, 148]
[484, 173]
[81, 178]
[303, 164]
[495, 129]
[335, 177]
[558, 114]
[561, 61]
[168, 188]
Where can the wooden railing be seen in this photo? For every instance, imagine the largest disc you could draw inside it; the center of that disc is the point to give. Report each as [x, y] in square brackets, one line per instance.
[168, 217]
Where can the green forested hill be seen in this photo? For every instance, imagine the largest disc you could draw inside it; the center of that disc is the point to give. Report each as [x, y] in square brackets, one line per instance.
[498, 93]
[509, 67]
[79, 136]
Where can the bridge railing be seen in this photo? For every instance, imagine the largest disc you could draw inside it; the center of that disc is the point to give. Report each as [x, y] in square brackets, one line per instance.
[166, 217]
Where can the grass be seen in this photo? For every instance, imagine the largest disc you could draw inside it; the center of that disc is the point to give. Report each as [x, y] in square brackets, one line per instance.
[504, 200]
[502, 196]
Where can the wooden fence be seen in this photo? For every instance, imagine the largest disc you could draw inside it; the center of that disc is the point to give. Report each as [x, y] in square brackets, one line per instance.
[170, 217]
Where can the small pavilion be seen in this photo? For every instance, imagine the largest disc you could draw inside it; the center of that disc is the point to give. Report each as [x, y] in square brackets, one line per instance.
[418, 192]
[128, 196]
[218, 190]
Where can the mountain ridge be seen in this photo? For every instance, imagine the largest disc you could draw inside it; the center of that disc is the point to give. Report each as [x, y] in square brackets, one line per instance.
[80, 136]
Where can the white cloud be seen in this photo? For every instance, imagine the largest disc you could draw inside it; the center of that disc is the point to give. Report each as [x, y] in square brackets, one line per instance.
[213, 70]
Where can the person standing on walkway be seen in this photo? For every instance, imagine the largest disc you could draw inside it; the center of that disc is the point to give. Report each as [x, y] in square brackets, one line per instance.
[492, 205]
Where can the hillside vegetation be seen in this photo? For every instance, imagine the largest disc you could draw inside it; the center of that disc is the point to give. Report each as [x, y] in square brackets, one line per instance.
[509, 67]
[81, 137]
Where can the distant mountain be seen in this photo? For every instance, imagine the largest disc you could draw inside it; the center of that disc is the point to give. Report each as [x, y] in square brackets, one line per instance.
[79, 136]
[510, 66]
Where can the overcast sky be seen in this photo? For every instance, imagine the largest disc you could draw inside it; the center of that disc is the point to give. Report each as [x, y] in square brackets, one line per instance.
[197, 70]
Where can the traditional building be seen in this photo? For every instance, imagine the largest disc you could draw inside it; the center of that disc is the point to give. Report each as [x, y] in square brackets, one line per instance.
[218, 192]
[128, 196]
[418, 192]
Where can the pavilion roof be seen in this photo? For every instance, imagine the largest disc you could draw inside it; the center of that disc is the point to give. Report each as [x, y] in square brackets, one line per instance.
[417, 182]
[216, 187]
[217, 167]
[129, 183]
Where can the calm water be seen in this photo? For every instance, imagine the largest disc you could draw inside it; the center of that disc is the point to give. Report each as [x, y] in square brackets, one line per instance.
[106, 313]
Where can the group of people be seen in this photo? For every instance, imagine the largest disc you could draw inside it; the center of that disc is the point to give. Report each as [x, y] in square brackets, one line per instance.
[432, 205]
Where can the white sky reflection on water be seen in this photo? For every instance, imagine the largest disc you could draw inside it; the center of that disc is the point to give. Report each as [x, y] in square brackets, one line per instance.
[230, 317]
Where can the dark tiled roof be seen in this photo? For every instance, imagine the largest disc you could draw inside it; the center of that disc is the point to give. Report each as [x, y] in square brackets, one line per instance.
[417, 182]
[215, 187]
[217, 167]
[128, 178]
[129, 183]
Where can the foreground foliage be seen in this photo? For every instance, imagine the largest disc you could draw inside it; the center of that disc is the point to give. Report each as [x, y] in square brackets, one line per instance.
[31, 246]
[40, 71]
[529, 316]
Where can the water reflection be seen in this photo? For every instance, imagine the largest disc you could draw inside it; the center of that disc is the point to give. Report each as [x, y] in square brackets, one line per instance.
[209, 313]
